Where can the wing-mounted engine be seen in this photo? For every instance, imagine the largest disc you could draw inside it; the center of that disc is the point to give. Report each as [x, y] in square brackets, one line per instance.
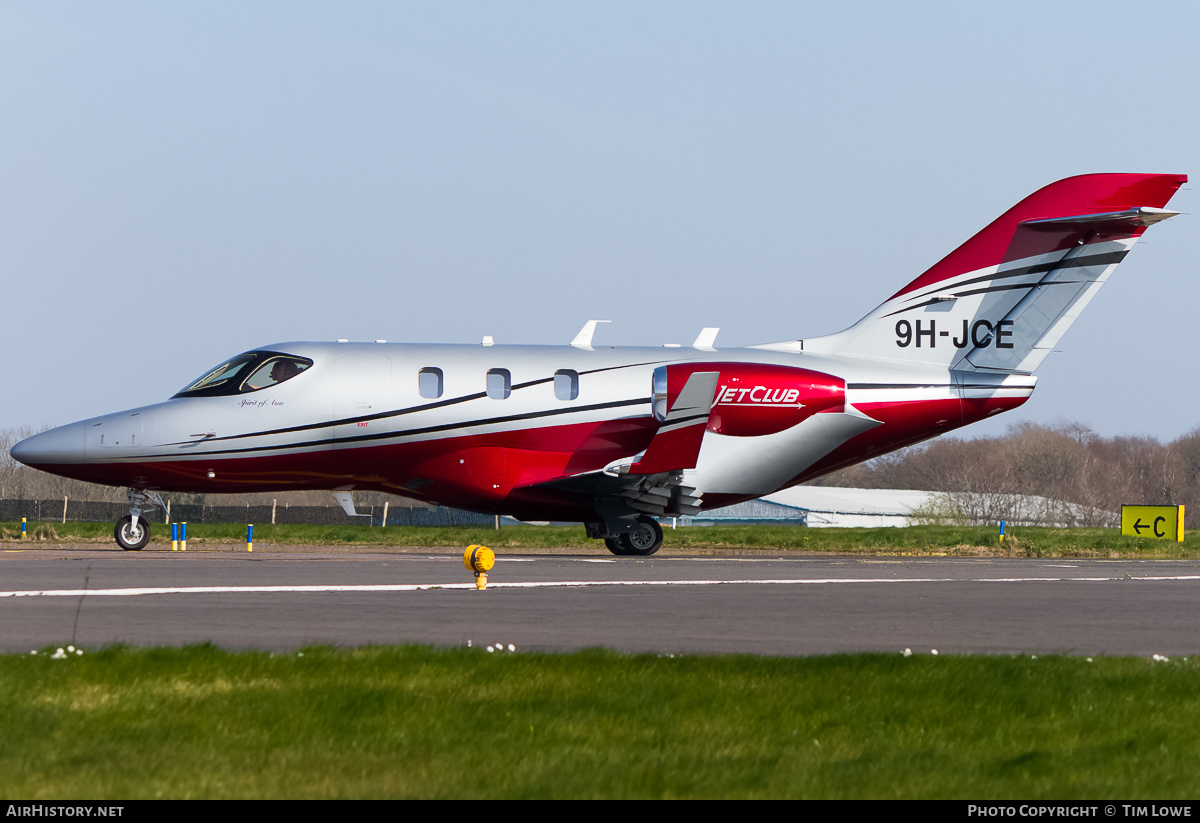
[725, 427]
[733, 399]
[697, 403]
[767, 423]
[755, 399]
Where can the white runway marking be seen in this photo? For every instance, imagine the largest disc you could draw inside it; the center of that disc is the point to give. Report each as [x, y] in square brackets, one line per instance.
[410, 587]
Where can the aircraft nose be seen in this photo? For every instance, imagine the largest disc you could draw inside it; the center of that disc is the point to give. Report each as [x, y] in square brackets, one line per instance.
[64, 444]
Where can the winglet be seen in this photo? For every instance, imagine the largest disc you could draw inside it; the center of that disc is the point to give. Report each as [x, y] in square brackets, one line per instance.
[677, 444]
[706, 339]
[583, 340]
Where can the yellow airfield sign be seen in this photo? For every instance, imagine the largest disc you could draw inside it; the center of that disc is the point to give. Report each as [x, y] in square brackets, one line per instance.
[1163, 522]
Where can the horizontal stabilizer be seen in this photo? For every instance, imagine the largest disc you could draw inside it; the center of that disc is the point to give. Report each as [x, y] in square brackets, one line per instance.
[1111, 222]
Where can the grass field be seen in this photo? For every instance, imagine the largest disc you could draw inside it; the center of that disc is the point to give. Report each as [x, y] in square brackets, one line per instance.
[199, 722]
[914, 540]
[395, 722]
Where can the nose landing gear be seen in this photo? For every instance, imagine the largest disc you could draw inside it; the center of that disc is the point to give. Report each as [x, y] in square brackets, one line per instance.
[133, 531]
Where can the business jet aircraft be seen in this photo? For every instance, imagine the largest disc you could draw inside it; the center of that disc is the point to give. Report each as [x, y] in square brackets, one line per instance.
[615, 437]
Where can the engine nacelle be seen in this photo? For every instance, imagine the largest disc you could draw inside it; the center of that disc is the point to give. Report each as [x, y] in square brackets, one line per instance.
[754, 399]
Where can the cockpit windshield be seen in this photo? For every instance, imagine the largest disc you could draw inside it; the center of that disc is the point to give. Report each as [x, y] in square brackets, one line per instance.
[247, 372]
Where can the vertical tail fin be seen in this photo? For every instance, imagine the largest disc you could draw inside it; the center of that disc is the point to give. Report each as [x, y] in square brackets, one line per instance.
[1001, 300]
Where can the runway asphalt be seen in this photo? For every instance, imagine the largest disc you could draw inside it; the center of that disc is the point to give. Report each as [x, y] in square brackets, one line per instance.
[761, 604]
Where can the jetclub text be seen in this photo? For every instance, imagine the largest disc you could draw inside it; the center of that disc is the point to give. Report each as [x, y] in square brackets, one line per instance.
[757, 396]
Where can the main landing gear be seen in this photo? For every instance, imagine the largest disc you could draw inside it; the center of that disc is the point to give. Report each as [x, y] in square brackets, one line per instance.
[640, 538]
[133, 531]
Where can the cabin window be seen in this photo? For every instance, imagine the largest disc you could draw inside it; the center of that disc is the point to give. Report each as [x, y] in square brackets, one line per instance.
[499, 384]
[429, 383]
[566, 384]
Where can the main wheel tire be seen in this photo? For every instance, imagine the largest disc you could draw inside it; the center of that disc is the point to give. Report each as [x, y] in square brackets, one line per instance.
[615, 546]
[644, 540]
[132, 537]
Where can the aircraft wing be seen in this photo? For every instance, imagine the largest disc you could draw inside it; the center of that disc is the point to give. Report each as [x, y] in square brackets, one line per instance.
[677, 443]
[653, 482]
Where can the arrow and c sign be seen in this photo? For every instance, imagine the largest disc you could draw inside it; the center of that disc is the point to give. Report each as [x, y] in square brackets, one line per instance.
[1161, 522]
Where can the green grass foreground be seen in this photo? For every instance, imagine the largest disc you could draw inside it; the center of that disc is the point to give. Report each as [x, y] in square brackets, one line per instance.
[199, 722]
[913, 540]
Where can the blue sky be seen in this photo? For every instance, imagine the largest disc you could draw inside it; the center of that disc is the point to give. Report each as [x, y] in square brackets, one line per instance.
[182, 182]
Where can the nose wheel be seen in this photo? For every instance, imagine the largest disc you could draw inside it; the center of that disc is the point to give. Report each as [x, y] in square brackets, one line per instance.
[133, 531]
[132, 534]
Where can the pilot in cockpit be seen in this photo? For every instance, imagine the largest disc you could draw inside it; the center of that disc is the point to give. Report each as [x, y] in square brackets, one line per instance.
[284, 370]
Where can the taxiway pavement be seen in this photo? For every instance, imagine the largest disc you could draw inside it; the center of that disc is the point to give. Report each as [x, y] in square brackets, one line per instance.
[778, 605]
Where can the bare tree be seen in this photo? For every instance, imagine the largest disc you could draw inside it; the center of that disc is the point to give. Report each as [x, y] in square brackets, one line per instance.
[1064, 473]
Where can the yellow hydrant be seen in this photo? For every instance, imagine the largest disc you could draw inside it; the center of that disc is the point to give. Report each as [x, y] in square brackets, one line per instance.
[479, 559]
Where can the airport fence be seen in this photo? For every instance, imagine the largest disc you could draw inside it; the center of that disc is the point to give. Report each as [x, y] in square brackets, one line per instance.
[64, 509]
